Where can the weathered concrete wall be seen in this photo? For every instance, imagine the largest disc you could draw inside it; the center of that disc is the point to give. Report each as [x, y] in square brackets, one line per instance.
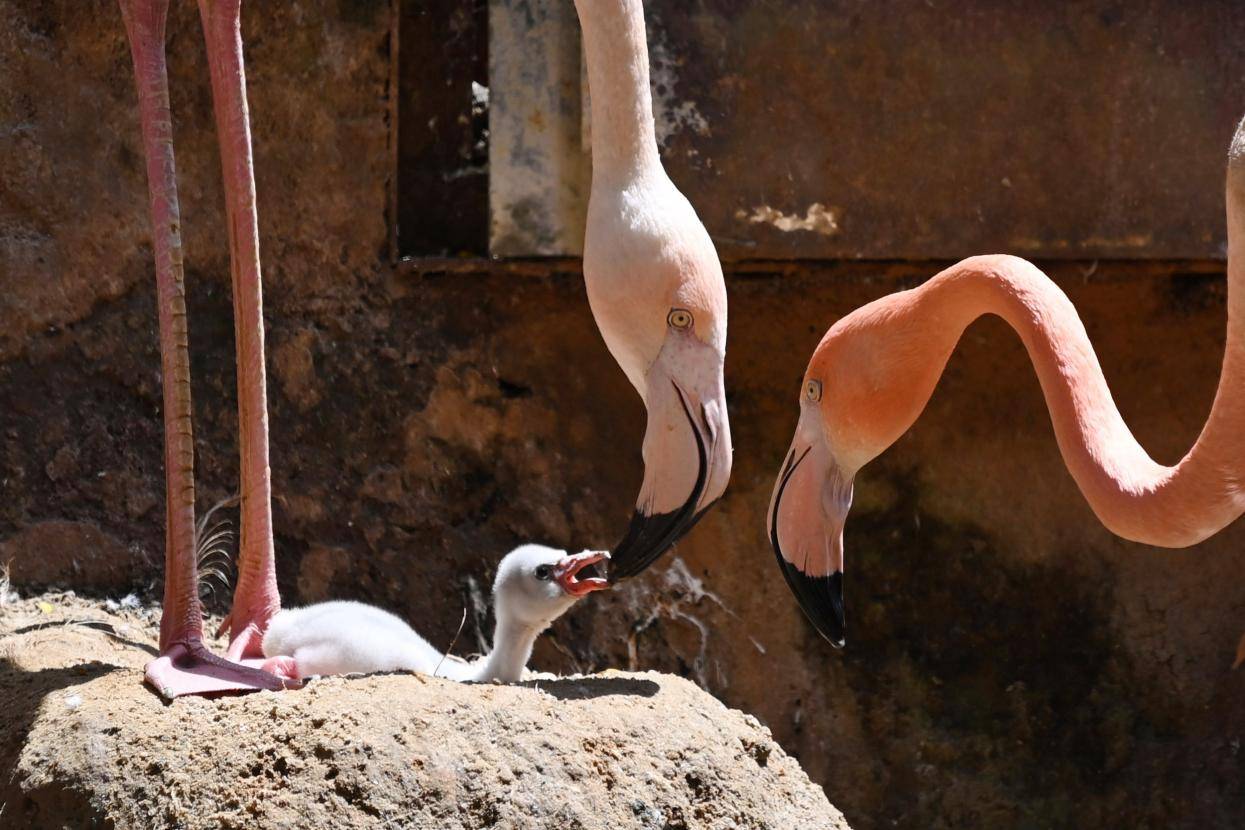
[900, 129]
[73, 214]
[539, 169]
[1080, 129]
[1009, 662]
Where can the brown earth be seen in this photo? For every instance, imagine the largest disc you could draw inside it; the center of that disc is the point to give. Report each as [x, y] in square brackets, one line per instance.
[1009, 662]
[87, 744]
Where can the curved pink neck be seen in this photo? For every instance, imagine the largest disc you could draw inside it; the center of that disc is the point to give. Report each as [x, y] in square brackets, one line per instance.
[1134, 496]
[624, 138]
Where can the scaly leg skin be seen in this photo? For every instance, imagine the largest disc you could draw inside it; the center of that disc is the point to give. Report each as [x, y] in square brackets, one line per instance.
[185, 666]
[255, 598]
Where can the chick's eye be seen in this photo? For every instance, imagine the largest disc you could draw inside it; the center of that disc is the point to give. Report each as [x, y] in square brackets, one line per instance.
[812, 390]
[679, 318]
[544, 572]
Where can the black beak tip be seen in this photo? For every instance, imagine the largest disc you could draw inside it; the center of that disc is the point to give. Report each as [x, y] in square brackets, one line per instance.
[641, 545]
[629, 560]
[648, 537]
[821, 599]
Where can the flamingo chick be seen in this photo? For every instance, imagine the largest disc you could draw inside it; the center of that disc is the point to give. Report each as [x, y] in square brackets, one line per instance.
[535, 585]
[656, 291]
[874, 371]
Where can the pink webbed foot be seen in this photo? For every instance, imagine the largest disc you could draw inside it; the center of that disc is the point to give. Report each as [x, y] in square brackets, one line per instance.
[284, 667]
[248, 643]
[188, 668]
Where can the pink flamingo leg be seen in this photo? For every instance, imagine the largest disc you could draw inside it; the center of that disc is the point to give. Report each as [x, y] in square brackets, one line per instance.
[255, 598]
[185, 666]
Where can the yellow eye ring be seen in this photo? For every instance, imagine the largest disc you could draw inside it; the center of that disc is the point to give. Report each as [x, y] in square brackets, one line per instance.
[679, 318]
[812, 390]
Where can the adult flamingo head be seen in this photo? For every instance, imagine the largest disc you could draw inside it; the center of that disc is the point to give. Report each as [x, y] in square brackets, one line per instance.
[662, 313]
[655, 286]
[866, 383]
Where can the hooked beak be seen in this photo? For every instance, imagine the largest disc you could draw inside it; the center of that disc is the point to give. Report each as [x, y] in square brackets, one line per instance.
[687, 454]
[809, 507]
[566, 573]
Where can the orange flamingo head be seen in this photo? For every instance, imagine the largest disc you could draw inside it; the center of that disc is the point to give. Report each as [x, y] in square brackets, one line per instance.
[864, 386]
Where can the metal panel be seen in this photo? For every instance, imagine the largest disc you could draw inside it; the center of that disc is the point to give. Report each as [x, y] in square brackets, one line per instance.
[924, 129]
[442, 175]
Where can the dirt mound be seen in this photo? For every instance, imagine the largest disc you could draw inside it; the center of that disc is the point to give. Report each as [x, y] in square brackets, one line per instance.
[84, 743]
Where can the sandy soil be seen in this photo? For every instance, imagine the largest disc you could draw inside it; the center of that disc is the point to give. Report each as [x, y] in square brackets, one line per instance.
[84, 743]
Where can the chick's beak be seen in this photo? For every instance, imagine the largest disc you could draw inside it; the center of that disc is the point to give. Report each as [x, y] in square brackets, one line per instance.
[567, 571]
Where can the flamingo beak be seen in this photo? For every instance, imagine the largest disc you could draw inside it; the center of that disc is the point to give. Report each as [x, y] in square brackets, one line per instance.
[806, 517]
[687, 454]
[566, 574]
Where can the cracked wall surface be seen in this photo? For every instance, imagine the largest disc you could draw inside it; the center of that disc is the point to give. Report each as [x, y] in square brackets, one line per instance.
[1009, 662]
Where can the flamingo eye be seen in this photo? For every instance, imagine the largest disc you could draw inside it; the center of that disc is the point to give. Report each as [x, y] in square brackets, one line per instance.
[679, 318]
[544, 573]
[812, 390]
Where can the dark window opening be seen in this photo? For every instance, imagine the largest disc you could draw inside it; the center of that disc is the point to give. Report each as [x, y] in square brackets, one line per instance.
[442, 136]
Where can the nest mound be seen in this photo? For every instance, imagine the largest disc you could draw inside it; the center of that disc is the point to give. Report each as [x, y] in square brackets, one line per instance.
[85, 743]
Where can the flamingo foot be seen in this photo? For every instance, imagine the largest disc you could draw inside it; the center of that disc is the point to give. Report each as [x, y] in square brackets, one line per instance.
[284, 667]
[1240, 654]
[188, 668]
[248, 643]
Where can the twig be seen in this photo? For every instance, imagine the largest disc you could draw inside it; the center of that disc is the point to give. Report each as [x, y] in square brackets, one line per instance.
[461, 623]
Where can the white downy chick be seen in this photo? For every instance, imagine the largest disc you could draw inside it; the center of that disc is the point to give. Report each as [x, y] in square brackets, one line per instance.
[534, 586]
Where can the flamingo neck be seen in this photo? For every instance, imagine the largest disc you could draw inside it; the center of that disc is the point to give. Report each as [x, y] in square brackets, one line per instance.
[1134, 496]
[624, 141]
[512, 648]
[1235, 198]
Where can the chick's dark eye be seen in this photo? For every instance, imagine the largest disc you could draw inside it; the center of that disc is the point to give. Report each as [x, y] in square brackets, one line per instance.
[544, 572]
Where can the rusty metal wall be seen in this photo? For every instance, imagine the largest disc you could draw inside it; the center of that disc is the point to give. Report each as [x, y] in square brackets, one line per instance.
[919, 129]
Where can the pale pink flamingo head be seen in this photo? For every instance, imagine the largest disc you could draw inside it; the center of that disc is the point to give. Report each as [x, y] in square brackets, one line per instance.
[859, 394]
[667, 329]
